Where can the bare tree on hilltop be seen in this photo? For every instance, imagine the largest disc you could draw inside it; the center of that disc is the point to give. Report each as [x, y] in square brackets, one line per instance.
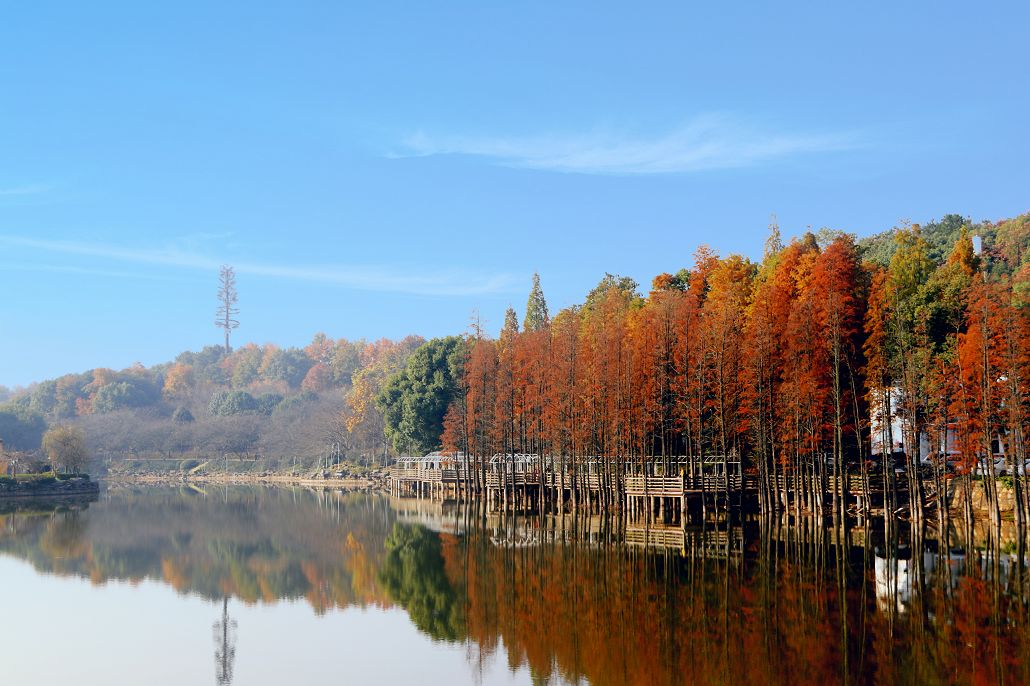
[227, 303]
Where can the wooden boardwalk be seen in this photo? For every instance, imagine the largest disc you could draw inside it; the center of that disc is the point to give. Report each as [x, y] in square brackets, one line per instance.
[670, 498]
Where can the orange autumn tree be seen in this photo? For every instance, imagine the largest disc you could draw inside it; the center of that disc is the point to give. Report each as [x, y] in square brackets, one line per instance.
[722, 328]
[838, 284]
[765, 337]
[978, 405]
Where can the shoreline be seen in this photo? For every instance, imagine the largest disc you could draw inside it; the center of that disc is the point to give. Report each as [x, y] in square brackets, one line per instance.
[350, 483]
[381, 484]
[21, 491]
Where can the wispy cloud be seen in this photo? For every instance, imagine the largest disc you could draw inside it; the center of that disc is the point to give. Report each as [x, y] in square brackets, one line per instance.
[16, 191]
[84, 271]
[412, 280]
[704, 143]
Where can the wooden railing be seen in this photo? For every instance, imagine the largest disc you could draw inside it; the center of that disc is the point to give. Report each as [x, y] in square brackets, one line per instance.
[714, 543]
[714, 483]
[673, 486]
[853, 483]
[659, 486]
[419, 474]
[656, 538]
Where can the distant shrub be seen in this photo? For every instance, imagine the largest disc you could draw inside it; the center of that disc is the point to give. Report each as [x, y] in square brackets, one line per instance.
[267, 402]
[229, 403]
[34, 466]
[182, 415]
[296, 400]
[126, 394]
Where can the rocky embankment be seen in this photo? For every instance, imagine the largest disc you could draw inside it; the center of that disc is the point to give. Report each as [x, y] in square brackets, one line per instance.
[47, 487]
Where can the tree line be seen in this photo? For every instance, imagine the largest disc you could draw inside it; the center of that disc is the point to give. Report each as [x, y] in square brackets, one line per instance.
[828, 356]
[256, 401]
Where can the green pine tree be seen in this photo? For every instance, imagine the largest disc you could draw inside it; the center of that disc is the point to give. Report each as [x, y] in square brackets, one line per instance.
[511, 326]
[536, 308]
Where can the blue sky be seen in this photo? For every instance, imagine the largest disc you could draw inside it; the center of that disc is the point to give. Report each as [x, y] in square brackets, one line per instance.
[378, 169]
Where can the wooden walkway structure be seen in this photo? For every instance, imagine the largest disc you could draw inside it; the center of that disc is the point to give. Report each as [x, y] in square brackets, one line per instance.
[711, 543]
[717, 542]
[525, 482]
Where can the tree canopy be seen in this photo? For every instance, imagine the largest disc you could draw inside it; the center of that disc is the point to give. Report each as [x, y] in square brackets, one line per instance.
[65, 447]
[21, 428]
[415, 400]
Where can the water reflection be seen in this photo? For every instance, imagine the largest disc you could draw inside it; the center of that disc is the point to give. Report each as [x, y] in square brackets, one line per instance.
[414, 575]
[571, 600]
[225, 646]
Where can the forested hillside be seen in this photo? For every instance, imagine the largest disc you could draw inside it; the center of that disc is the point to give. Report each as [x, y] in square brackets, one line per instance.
[255, 401]
[1001, 239]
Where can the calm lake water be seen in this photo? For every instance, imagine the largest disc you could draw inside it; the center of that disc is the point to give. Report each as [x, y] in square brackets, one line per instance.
[290, 586]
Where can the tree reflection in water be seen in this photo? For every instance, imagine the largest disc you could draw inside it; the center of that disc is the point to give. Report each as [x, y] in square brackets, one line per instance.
[225, 646]
[414, 576]
[767, 604]
[575, 599]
